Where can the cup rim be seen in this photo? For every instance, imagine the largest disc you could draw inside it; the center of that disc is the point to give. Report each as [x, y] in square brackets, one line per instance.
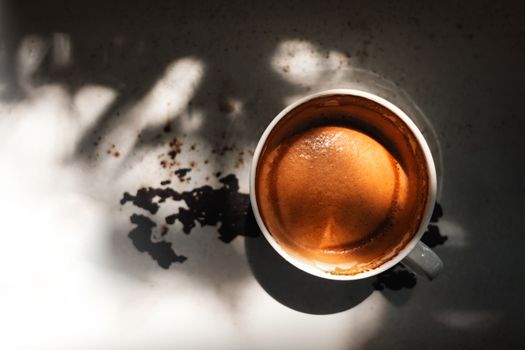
[432, 184]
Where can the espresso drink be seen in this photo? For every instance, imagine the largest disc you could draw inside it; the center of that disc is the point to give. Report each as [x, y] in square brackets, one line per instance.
[342, 182]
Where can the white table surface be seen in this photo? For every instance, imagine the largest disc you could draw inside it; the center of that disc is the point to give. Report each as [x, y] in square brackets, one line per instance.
[71, 278]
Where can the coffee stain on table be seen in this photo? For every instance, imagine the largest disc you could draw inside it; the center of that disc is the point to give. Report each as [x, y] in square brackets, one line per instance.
[162, 252]
[224, 207]
[395, 278]
[181, 173]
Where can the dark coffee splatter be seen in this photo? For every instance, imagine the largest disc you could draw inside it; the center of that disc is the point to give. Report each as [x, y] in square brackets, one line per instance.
[175, 147]
[224, 206]
[181, 173]
[432, 237]
[208, 206]
[161, 252]
[145, 198]
[396, 278]
[224, 149]
[437, 213]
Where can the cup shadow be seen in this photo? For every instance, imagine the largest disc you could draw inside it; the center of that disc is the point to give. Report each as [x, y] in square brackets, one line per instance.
[298, 290]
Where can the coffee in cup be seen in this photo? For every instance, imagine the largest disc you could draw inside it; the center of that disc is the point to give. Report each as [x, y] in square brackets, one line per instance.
[342, 182]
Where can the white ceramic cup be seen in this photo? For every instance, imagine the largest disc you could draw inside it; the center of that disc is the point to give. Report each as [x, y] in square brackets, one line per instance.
[416, 255]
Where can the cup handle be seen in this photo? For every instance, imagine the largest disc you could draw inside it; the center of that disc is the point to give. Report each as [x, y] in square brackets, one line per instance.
[423, 261]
